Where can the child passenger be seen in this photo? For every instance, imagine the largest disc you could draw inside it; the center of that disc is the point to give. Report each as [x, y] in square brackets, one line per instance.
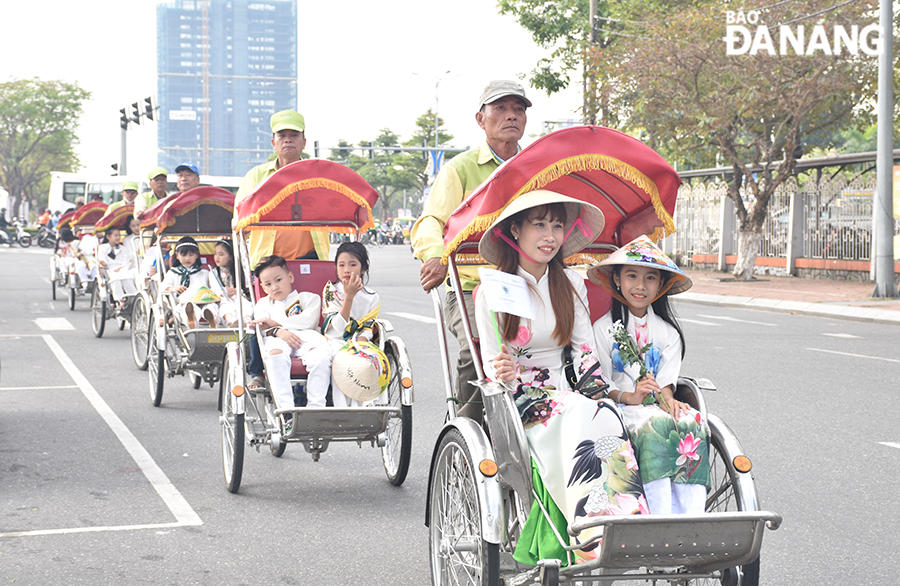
[671, 440]
[349, 307]
[222, 282]
[289, 322]
[118, 261]
[186, 272]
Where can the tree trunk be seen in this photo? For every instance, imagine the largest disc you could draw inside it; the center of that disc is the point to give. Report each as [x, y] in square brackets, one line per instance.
[748, 249]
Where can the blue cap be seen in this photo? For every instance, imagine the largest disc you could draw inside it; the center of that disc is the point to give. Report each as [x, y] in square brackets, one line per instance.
[187, 167]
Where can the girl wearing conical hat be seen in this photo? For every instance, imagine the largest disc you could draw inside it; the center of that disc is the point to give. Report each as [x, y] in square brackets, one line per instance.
[582, 461]
[641, 346]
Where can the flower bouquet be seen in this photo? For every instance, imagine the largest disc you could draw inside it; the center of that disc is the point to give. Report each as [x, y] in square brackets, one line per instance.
[626, 352]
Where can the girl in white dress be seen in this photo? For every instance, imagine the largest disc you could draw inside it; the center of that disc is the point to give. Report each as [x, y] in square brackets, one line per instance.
[349, 307]
[671, 440]
[186, 272]
[582, 461]
[119, 263]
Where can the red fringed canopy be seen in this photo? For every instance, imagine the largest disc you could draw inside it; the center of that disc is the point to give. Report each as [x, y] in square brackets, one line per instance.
[115, 218]
[313, 190]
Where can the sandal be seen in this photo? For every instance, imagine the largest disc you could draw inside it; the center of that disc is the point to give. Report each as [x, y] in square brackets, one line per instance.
[256, 383]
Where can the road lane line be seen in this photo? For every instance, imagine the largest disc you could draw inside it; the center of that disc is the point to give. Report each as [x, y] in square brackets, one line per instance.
[854, 355]
[841, 335]
[180, 508]
[88, 529]
[697, 321]
[890, 444]
[49, 324]
[743, 321]
[415, 317]
[38, 388]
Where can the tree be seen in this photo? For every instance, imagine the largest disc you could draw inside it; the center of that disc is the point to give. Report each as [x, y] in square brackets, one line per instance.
[562, 27]
[755, 110]
[424, 137]
[38, 121]
[388, 172]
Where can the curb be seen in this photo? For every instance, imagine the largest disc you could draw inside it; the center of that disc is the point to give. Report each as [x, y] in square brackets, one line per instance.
[837, 311]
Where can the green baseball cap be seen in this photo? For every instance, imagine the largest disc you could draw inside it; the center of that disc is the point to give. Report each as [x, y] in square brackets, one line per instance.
[132, 185]
[287, 120]
[157, 172]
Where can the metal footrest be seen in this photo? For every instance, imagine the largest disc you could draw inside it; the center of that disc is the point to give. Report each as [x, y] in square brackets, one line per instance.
[333, 424]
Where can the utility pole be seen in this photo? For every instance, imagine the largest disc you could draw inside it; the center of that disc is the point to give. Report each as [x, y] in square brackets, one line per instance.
[883, 222]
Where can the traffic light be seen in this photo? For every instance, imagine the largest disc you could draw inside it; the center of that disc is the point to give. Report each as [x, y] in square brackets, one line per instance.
[135, 113]
[148, 108]
[123, 119]
[316, 148]
[115, 167]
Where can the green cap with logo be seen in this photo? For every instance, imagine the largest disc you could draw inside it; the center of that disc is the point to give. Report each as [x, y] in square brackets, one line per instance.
[157, 172]
[130, 185]
[287, 120]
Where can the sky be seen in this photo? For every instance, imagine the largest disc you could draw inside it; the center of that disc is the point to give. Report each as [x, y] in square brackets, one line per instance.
[363, 66]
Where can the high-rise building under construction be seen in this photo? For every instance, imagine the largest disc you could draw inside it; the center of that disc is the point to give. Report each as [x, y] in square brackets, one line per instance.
[224, 66]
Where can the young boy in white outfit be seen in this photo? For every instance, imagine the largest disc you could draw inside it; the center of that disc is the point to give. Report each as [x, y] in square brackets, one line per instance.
[289, 323]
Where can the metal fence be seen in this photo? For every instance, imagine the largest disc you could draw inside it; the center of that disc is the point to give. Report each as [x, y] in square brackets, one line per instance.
[836, 219]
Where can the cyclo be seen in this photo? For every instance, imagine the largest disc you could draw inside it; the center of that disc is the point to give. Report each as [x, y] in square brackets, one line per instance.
[59, 262]
[480, 483]
[173, 347]
[103, 305]
[82, 224]
[324, 196]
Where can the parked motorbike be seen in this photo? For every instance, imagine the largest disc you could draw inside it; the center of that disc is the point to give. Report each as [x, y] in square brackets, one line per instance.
[46, 237]
[20, 236]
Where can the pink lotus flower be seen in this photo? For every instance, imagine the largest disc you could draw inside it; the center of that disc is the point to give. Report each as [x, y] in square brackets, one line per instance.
[585, 349]
[688, 449]
[627, 504]
[628, 454]
[523, 336]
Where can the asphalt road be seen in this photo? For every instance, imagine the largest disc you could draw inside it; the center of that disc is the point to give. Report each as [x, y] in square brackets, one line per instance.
[97, 486]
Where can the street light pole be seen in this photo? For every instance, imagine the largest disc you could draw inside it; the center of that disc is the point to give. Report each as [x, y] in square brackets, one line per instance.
[882, 218]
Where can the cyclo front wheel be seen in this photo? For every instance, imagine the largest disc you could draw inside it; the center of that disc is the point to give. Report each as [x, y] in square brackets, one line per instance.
[140, 324]
[156, 371]
[232, 426]
[397, 449]
[98, 312]
[458, 552]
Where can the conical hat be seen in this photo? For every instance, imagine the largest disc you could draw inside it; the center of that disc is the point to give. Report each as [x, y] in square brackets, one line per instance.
[640, 252]
[589, 220]
[361, 370]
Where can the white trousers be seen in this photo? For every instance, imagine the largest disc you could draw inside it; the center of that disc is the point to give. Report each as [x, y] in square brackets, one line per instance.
[667, 498]
[121, 284]
[316, 357]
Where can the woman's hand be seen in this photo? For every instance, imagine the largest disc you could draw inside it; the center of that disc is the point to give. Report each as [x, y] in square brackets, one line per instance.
[230, 291]
[505, 365]
[676, 408]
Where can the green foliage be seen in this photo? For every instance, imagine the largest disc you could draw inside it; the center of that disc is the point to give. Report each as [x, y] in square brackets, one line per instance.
[38, 121]
[393, 173]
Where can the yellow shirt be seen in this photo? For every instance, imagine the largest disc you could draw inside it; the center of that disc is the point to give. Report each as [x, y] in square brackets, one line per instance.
[460, 176]
[289, 244]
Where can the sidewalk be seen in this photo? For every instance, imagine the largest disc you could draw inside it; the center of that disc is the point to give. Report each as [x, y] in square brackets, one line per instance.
[820, 297]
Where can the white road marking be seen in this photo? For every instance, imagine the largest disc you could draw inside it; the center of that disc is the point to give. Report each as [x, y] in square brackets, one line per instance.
[53, 324]
[38, 388]
[743, 321]
[697, 321]
[841, 335]
[854, 355]
[180, 508]
[415, 317]
[890, 444]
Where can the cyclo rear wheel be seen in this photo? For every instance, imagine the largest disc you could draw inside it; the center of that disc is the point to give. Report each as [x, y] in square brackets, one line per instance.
[459, 555]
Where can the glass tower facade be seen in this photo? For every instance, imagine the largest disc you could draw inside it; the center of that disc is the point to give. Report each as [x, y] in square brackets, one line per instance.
[224, 67]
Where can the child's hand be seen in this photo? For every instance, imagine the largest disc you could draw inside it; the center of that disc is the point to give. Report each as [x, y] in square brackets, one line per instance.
[102, 263]
[505, 365]
[180, 289]
[230, 291]
[644, 387]
[264, 323]
[292, 339]
[352, 286]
